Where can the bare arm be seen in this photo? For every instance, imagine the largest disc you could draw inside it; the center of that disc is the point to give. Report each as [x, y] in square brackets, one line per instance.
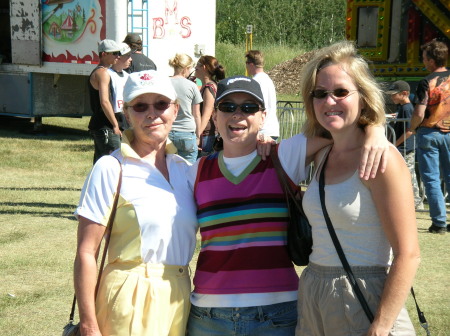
[103, 79]
[85, 273]
[208, 108]
[394, 200]
[403, 138]
[417, 117]
[197, 119]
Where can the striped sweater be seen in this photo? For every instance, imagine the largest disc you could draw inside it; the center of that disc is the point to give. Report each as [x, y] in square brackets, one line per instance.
[243, 223]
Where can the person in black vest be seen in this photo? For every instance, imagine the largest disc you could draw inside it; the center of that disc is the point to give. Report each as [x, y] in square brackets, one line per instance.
[139, 62]
[103, 126]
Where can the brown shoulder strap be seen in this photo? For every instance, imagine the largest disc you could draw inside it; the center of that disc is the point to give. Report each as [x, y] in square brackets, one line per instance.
[107, 236]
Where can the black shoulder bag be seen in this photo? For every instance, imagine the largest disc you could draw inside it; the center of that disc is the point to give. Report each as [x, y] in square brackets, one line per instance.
[299, 236]
[345, 264]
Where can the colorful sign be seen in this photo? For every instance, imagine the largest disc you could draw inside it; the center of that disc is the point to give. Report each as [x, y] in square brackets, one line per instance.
[72, 29]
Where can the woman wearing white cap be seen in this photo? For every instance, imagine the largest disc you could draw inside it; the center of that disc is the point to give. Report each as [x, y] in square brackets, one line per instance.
[145, 286]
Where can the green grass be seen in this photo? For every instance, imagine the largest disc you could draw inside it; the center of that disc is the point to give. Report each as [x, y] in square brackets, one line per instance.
[232, 57]
[41, 180]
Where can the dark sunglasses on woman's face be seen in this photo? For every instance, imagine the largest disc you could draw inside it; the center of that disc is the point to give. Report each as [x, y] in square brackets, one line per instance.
[142, 107]
[115, 53]
[232, 107]
[336, 93]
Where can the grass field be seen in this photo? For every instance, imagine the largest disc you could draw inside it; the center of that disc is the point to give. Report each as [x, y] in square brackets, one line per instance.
[40, 182]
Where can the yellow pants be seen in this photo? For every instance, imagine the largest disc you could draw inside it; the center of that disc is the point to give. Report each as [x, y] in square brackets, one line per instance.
[143, 299]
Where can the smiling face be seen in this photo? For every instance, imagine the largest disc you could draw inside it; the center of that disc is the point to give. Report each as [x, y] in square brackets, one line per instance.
[153, 125]
[239, 130]
[337, 113]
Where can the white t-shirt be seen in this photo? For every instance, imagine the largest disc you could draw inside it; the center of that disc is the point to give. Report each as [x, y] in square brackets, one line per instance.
[271, 126]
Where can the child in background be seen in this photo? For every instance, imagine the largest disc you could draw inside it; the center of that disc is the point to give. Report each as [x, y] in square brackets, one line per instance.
[405, 139]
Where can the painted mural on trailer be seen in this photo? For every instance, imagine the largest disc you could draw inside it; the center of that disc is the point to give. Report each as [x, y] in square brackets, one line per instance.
[71, 30]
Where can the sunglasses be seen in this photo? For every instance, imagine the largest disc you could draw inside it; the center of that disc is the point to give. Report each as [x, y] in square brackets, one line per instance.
[336, 93]
[115, 53]
[232, 107]
[142, 107]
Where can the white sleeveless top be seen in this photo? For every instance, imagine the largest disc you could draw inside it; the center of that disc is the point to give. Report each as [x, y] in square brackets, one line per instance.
[355, 220]
[116, 89]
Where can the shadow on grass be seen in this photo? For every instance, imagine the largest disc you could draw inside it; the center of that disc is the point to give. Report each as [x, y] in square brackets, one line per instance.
[61, 214]
[41, 189]
[23, 128]
[38, 209]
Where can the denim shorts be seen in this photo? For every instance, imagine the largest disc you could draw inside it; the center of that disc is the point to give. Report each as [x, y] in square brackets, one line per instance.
[272, 320]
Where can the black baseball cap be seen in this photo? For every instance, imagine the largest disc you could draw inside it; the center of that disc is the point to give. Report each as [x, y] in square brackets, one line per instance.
[397, 87]
[238, 84]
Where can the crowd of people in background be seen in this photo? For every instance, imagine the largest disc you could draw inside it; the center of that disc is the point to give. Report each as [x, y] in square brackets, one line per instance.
[223, 184]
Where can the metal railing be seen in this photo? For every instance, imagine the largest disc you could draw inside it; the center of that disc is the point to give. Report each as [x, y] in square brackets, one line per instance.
[291, 116]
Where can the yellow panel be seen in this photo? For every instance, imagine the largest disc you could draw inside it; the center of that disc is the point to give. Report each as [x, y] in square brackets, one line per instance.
[380, 52]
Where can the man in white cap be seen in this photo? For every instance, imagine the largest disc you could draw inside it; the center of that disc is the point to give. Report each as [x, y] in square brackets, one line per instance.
[118, 79]
[103, 126]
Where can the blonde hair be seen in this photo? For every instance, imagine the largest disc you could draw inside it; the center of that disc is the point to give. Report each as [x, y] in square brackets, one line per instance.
[345, 55]
[180, 62]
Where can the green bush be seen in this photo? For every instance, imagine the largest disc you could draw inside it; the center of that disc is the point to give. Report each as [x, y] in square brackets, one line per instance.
[307, 23]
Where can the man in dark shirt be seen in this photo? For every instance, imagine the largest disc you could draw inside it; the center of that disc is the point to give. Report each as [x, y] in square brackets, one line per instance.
[103, 126]
[139, 61]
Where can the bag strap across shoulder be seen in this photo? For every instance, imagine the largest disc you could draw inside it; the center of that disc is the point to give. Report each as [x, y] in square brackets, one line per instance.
[107, 236]
[338, 246]
[345, 264]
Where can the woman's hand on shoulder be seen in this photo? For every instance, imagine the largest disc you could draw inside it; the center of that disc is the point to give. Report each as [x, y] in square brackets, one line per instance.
[264, 145]
[375, 152]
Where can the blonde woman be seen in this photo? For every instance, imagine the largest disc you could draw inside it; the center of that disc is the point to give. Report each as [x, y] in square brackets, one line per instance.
[374, 219]
[185, 133]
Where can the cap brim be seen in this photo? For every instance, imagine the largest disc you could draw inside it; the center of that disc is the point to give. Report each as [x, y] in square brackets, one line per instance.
[228, 92]
[391, 92]
[146, 90]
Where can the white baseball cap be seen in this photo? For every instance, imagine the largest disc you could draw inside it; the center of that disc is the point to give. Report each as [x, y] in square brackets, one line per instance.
[148, 81]
[108, 46]
[124, 49]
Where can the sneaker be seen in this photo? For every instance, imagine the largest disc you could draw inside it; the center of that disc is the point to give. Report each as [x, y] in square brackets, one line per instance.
[419, 206]
[437, 229]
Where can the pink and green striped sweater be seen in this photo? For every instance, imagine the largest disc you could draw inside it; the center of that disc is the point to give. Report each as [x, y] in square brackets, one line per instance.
[243, 224]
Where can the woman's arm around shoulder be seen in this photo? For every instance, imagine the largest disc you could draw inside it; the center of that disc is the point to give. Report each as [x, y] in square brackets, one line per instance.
[394, 201]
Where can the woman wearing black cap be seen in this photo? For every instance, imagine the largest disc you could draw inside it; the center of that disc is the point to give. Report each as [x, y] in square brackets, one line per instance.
[245, 282]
